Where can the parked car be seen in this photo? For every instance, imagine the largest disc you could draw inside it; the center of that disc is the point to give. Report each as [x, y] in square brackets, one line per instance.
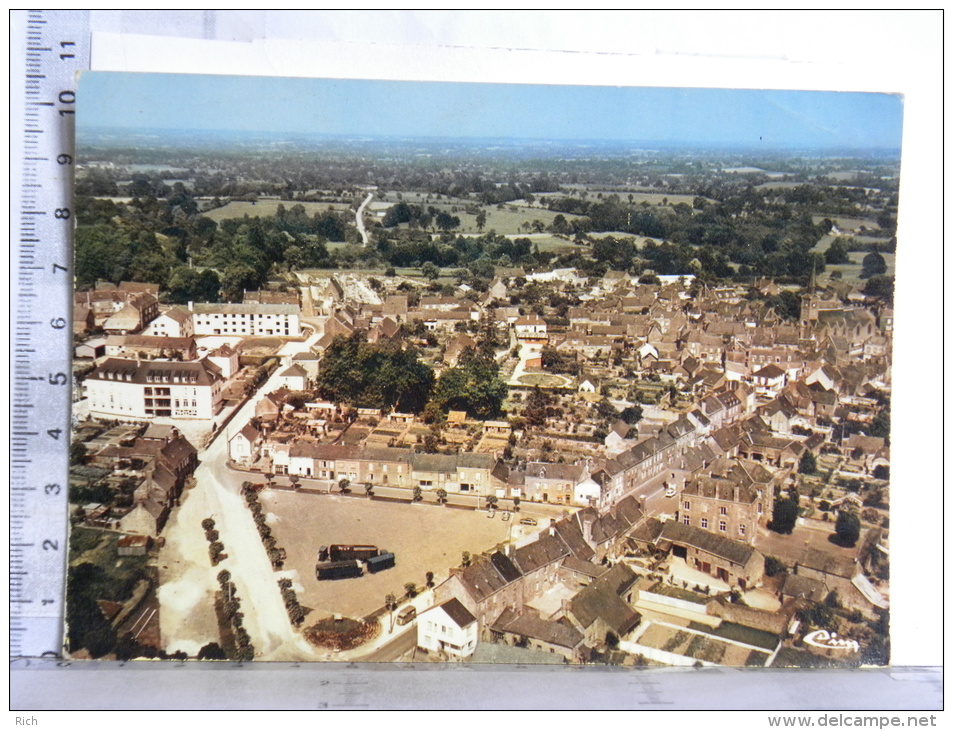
[529, 521]
[406, 615]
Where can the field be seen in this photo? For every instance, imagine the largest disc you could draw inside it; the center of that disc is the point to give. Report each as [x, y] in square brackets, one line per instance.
[240, 208]
[423, 537]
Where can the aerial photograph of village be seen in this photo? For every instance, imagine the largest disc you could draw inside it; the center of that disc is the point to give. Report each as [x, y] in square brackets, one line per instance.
[474, 373]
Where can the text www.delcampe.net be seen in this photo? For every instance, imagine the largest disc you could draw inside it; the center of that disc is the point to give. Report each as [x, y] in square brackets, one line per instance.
[848, 720]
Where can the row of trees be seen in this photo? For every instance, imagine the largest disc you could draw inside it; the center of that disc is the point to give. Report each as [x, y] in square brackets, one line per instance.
[216, 550]
[275, 554]
[235, 620]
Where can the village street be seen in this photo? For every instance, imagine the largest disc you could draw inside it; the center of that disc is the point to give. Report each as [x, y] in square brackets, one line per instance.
[187, 578]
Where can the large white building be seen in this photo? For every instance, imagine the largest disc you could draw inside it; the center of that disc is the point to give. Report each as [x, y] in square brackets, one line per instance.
[138, 390]
[278, 320]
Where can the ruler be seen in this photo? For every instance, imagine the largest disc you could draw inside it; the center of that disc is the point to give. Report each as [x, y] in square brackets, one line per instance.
[49, 47]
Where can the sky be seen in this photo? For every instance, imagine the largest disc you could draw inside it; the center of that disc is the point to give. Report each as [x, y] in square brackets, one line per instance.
[708, 117]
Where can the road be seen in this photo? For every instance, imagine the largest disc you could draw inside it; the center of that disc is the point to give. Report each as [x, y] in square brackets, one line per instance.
[360, 218]
[187, 578]
[394, 650]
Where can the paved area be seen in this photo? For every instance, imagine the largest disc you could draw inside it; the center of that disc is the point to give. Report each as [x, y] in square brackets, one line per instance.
[423, 537]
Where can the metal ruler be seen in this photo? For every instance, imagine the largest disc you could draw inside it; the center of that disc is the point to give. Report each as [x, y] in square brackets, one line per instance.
[48, 48]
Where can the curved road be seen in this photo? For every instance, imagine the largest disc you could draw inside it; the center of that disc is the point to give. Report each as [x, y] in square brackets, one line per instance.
[360, 218]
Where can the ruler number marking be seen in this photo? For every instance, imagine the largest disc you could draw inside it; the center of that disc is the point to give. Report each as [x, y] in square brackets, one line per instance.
[67, 97]
[51, 544]
[64, 45]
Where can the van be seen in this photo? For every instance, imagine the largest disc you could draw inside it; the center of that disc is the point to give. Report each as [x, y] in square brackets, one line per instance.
[406, 615]
[529, 521]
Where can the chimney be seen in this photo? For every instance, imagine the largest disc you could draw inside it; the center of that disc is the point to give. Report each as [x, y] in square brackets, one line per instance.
[190, 306]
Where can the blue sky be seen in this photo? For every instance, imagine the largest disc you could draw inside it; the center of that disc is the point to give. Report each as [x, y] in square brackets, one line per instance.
[714, 117]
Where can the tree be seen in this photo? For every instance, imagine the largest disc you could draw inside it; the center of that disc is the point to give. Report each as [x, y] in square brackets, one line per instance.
[784, 516]
[773, 566]
[375, 375]
[873, 264]
[418, 494]
[847, 528]
[481, 220]
[516, 504]
[368, 489]
[442, 495]
[430, 270]
[429, 576]
[473, 385]
[295, 479]
[880, 286]
[808, 463]
[212, 651]
[410, 589]
[631, 415]
[344, 486]
[837, 252]
[465, 559]
[77, 453]
[491, 502]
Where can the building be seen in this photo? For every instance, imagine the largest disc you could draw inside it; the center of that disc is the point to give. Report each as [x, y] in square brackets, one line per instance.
[448, 628]
[146, 347]
[175, 322]
[531, 328]
[725, 507]
[137, 312]
[137, 390]
[276, 320]
[728, 560]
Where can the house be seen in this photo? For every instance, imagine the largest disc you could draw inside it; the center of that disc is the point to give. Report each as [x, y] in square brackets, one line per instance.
[525, 628]
[605, 606]
[132, 545]
[552, 482]
[769, 380]
[145, 347]
[244, 446]
[293, 377]
[93, 348]
[137, 390]
[137, 312]
[175, 322]
[167, 460]
[728, 560]
[530, 328]
[226, 359]
[448, 628]
[83, 319]
[724, 506]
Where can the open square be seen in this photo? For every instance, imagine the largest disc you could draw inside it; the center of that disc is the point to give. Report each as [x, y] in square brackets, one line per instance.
[423, 537]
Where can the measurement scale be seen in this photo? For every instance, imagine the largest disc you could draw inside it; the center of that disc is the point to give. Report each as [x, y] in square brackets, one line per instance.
[54, 45]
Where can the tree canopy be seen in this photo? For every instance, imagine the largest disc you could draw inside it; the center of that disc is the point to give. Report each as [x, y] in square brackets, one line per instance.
[383, 375]
[473, 385]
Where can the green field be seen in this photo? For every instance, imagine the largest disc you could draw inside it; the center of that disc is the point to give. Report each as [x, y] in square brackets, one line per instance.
[241, 208]
[846, 223]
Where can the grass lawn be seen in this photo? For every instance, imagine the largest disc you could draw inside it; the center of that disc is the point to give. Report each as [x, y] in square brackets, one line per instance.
[241, 208]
